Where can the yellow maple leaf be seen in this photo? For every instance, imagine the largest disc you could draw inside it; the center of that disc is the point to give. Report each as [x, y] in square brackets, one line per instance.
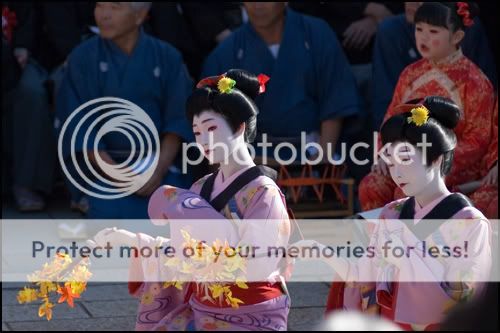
[240, 282]
[77, 287]
[27, 295]
[233, 301]
[46, 309]
[46, 287]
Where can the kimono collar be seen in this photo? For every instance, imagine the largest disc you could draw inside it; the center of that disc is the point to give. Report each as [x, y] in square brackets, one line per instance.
[421, 212]
[221, 184]
[116, 49]
[449, 59]
[224, 180]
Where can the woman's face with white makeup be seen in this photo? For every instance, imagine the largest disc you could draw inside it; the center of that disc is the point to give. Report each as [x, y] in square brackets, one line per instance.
[408, 169]
[213, 133]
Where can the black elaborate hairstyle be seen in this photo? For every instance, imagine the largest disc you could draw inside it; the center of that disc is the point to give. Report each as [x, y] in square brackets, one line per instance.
[444, 115]
[236, 106]
[450, 15]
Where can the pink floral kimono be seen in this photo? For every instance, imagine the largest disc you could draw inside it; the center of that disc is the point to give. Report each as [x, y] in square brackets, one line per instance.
[255, 214]
[420, 305]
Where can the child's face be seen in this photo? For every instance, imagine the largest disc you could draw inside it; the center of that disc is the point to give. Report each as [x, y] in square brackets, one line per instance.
[407, 168]
[215, 135]
[434, 42]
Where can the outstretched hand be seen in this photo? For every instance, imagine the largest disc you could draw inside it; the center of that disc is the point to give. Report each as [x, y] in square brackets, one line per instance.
[114, 237]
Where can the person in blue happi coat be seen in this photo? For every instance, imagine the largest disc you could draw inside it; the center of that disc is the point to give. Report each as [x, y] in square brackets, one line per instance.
[124, 62]
[311, 87]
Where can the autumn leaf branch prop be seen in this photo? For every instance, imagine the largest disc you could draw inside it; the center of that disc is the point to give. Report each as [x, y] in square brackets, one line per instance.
[217, 263]
[61, 277]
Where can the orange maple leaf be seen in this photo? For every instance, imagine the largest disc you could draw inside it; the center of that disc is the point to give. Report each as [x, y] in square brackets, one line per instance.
[67, 295]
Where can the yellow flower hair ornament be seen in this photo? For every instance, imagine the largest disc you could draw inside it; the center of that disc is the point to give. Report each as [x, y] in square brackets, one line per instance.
[226, 85]
[419, 115]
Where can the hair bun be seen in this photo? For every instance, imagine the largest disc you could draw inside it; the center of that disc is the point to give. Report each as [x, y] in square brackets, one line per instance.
[246, 82]
[444, 110]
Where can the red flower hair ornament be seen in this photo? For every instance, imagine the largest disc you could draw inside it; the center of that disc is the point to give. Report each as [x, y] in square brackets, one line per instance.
[9, 21]
[463, 11]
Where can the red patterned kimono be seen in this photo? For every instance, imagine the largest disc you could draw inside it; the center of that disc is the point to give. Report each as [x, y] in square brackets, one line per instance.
[457, 78]
[485, 198]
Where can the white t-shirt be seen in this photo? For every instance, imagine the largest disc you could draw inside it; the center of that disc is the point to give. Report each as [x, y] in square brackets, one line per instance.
[274, 48]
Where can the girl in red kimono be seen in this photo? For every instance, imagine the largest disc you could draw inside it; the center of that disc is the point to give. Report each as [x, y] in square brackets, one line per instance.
[443, 71]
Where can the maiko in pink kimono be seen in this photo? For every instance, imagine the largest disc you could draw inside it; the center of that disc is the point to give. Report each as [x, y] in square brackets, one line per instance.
[417, 291]
[245, 207]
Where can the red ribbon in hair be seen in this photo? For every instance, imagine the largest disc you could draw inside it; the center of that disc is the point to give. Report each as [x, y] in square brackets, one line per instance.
[463, 10]
[210, 81]
[9, 21]
[263, 78]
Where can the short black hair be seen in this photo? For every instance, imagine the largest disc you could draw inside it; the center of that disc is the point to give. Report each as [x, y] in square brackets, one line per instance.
[444, 115]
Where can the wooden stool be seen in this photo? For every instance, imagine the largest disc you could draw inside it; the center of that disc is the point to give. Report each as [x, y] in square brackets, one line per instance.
[318, 178]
